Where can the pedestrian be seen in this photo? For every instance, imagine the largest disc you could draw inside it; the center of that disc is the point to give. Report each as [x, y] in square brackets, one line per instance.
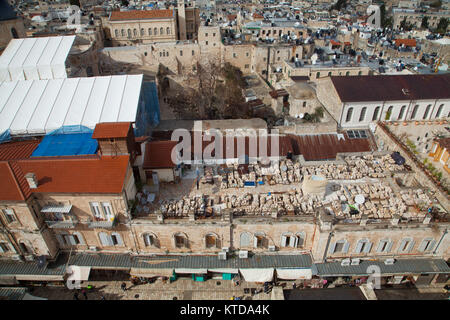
[75, 295]
[294, 286]
[84, 294]
[124, 286]
[197, 184]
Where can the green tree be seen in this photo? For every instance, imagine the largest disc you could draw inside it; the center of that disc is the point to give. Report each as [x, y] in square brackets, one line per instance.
[75, 3]
[124, 3]
[442, 26]
[424, 24]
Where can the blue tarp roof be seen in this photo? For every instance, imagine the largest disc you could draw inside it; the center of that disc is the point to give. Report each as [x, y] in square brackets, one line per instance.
[67, 141]
[148, 115]
[5, 136]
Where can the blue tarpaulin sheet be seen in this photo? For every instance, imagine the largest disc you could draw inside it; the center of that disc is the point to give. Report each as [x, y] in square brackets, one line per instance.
[67, 141]
[148, 113]
[5, 136]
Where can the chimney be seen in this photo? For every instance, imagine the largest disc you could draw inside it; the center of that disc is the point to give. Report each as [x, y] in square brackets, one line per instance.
[32, 181]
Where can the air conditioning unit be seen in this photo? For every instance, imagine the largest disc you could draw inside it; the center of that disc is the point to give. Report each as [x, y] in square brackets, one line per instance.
[345, 262]
[272, 248]
[356, 262]
[243, 254]
[29, 258]
[225, 249]
[93, 248]
[222, 256]
[389, 261]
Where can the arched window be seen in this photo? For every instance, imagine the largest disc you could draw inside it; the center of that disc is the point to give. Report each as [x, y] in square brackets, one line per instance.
[349, 115]
[135, 32]
[427, 111]
[116, 33]
[317, 75]
[155, 31]
[304, 104]
[389, 113]
[180, 240]
[402, 113]
[149, 239]
[129, 33]
[329, 74]
[414, 113]
[347, 73]
[211, 241]
[375, 114]
[385, 245]
[123, 33]
[259, 240]
[244, 240]
[14, 33]
[301, 237]
[142, 32]
[359, 73]
[362, 115]
[161, 30]
[149, 31]
[438, 113]
[168, 30]
[406, 245]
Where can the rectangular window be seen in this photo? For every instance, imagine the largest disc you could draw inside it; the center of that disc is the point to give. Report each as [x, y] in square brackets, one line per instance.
[193, 52]
[206, 34]
[214, 34]
[339, 247]
[181, 53]
[9, 215]
[95, 207]
[405, 246]
[247, 66]
[107, 209]
[114, 239]
[206, 42]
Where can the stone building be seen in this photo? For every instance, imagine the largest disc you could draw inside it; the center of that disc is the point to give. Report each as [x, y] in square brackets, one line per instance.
[11, 26]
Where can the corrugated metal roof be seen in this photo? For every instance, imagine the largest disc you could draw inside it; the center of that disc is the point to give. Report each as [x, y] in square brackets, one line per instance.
[12, 293]
[59, 209]
[56, 268]
[191, 261]
[401, 266]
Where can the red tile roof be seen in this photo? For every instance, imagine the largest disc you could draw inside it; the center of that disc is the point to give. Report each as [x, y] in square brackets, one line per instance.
[9, 188]
[158, 154]
[232, 17]
[406, 42]
[106, 130]
[444, 143]
[278, 93]
[80, 175]
[335, 43]
[257, 16]
[141, 14]
[18, 149]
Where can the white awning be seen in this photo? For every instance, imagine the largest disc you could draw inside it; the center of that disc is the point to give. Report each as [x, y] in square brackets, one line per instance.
[194, 271]
[56, 209]
[293, 274]
[257, 275]
[224, 270]
[41, 106]
[150, 272]
[78, 273]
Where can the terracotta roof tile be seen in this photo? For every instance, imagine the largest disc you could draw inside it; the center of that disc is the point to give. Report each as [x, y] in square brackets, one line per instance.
[406, 42]
[158, 154]
[106, 130]
[141, 14]
[18, 149]
[9, 188]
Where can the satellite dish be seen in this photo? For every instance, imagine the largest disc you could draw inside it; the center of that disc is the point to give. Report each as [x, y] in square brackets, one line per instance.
[301, 115]
[359, 199]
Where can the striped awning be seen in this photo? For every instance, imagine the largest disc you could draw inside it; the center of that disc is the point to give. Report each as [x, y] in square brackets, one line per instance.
[56, 209]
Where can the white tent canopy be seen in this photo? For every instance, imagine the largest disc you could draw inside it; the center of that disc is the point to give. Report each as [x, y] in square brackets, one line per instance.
[257, 275]
[41, 106]
[293, 273]
[35, 58]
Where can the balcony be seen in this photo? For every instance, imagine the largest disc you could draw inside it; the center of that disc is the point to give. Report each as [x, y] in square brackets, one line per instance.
[105, 224]
[63, 224]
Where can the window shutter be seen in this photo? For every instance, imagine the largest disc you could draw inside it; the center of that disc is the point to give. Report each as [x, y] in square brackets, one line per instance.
[255, 241]
[1, 250]
[422, 245]
[359, 246]
[411, 246]
[245, 240]
[389, 246]
[380, 245]
[292, 241]
[296, 241]
[332, 248]
[368, 247]
[11, 247]
[105, 239]
[147, 240]
[283, 241]
[431, 246]
[80, 237]
[60, 240]
[119, 239]
[71, 240]
[346, 245]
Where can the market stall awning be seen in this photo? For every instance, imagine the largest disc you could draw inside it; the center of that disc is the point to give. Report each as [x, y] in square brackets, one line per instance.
[77, 273]
[56, 209]
[151, 272]
[257, 275]
[193, 271]
[224, 270]
[293, 274]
